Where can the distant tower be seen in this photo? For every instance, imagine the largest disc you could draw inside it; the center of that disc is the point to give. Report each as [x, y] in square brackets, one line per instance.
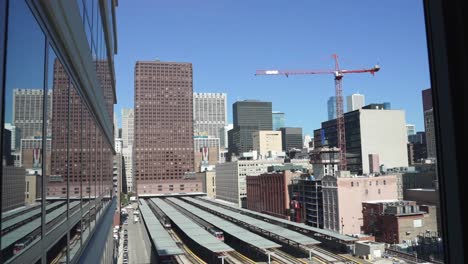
[355, 101]
[278, 120]
[331, 105]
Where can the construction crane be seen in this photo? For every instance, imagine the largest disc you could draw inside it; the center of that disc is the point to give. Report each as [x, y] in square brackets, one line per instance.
[338, 75]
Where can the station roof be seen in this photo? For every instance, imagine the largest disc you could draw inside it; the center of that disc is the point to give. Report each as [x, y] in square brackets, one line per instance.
[164, 243]
[274, 229]
[291, 223]
[238, 232]
[191, 229]
[24, 230]
[28, 215]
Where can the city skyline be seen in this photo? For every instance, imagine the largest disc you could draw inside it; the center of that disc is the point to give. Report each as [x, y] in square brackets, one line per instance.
[400, 23]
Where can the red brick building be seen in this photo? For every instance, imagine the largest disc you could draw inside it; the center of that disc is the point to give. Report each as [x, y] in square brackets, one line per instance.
[164, 128]
[268, 193]
[397, 221]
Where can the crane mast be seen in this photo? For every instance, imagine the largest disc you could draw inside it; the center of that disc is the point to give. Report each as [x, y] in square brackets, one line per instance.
[338, 76]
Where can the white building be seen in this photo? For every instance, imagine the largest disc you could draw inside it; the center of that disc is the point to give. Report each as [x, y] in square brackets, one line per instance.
[223, 135]
[127, 153]
[230, 178]
[383, 132]
[209, 113]
[118, 145]
[355, 101]
[410, 129]
[128, 123]
[267, 143]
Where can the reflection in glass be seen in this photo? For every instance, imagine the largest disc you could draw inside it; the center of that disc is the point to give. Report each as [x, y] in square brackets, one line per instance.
[57, 174]
[22, 153]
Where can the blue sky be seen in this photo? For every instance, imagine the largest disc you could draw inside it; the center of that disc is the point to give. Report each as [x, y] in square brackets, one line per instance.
[228, 40]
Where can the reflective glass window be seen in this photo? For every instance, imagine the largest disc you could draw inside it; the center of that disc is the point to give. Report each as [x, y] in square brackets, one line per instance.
[22, 132]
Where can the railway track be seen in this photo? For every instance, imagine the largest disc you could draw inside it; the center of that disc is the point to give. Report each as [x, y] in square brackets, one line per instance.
[329, 257]
[189, 255]
[236, 257]
[284, 257]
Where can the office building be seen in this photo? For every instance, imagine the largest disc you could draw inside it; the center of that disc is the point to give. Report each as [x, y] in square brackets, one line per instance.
[291, 138]
[127, 154]
[355, 101]
[275, 201]
[230, 178]
[397, 221]
[209, 183]
[267, 143]
[163, 145]
[118, 145]
[128, 120]
[223, 136]
[209, 113]
[370, 130]
[308, 142]
[410, 129]
[279, 120]
[27, 111]
[325, 162]
[63, 108]
[343, 197]
[331, 107]
[429, 123]
[307, 203]
[15, 136]
[249, 116]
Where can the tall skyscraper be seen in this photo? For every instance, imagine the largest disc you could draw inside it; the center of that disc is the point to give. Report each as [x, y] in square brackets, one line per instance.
[278, 120]
[291, 138]
[163, 127]
[331, 106]
[249, 116]
[209, 113]
[355, 101]
[429, 123]
[128, 120]
[27, 111]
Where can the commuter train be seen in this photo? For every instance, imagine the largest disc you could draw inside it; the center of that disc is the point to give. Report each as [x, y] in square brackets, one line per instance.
[217, 233]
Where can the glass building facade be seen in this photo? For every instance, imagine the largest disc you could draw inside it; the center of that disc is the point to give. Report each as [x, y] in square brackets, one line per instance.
[58, 91]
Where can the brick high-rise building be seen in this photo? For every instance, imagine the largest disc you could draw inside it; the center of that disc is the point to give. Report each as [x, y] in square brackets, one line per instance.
[163, 127]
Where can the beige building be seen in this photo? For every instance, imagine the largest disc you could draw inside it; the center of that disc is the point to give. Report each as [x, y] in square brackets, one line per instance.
[343, 197]
[267, 142]
[209, 183]
[31, 191]
[230, 180]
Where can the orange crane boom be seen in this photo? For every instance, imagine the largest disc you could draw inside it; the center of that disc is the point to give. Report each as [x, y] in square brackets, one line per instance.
[338, 76]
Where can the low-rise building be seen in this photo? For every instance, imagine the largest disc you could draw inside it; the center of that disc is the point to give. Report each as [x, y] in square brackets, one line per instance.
[369, 250]
[397, 221]
[269, 193]
[343, 196]
[209, 182]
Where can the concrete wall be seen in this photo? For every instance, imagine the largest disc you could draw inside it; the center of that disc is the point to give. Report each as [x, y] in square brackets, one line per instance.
[353, 191]
[383, 132]
[227, 182]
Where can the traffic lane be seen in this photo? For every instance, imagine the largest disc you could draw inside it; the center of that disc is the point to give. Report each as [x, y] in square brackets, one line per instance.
[139, 247]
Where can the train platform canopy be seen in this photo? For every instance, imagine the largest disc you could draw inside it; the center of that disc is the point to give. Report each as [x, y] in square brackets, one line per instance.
[324, 232]
[280, 231]
[24, 216]
[240, 233]
[191, 229]
[26, 229]
[164, 243]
